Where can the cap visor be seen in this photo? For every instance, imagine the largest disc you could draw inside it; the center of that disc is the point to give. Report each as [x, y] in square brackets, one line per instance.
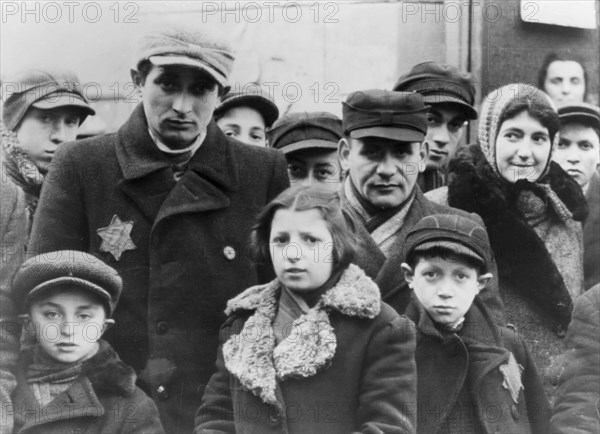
[68, 280]
[392, 133]
[309, 144]
[265, 107]
[188, 61]
[440, 98]
[580, 117]
[450, 246]
[56, 100]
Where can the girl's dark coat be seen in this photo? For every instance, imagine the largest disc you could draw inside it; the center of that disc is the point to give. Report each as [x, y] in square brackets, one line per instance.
[103, 400]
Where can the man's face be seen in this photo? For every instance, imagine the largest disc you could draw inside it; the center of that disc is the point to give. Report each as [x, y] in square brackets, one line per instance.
[578, 152]
[565, 82]
[42, 130]
[445, 126]
[178, 102]
[244, 124]
[384, 171]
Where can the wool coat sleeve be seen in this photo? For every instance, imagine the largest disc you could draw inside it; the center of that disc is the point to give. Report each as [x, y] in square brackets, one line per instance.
[577, 408]
[387, 401]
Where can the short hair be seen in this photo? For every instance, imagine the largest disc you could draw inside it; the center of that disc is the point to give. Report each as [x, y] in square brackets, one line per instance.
[434, 253]
[538, 106]
[340, 223]
[564, 57]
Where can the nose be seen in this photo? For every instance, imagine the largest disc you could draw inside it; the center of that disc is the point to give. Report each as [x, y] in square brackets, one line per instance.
[444, 291]
[183, 103]
[440, 135]
[573, 156]
[309, 179]
[293, 252]
[59, 133]
[386, 167]
[524, 150]
[66, 327]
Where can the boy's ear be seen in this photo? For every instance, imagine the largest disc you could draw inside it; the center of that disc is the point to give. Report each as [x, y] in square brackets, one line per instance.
[108, 323]
[344, 154]
[483, 280]
[408, 274]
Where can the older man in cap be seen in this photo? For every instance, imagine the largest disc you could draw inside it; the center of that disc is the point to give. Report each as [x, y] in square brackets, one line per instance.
[168, 201]
[449, 95]
[383, 152]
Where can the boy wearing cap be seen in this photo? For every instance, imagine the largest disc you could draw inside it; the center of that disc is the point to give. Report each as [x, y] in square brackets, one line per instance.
[246, 117]
[171, 210]
[449, 95]
[383, 153]
[309, 142]
[71, 379]
[578, 153]
[472, 375]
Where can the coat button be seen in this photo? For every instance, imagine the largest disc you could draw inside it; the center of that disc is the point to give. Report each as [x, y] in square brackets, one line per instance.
[162, 393]
[162, 327]
[514, 411]
[229, 252]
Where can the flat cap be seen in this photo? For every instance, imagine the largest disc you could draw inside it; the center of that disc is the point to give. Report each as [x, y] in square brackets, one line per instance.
[439, 83]
[177, 45]
[587, 114]
[43, 89]
[67, 267]
[454, 233]
[256, 100]
[304, 130]
[383, 113]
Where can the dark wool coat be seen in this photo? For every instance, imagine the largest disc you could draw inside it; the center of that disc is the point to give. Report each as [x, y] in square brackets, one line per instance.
[356, 375]
[103, 400]
[183, 245]
[466, 380]
[591, 234]
[387, 272]
[576, 409]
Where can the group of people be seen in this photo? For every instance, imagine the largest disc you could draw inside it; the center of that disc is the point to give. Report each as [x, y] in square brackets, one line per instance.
[167, 277]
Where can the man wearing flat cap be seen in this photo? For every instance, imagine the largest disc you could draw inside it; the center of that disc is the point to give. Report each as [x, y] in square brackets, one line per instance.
[383, 152]
[168, 201]
[449, 95]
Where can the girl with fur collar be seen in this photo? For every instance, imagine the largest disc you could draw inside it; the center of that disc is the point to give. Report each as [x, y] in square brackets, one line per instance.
[315, 350]
[532, 210]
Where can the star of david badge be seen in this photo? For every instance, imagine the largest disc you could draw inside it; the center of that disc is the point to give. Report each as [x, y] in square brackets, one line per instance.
[115, 237]
[512, 377]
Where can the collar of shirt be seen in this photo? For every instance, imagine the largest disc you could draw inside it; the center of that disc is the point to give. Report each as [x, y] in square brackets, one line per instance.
[191, 149]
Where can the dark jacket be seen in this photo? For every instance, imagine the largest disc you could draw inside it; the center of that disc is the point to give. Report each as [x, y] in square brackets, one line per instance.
[182, 245]
[356, 375]
[576, 409]
[591, 234]
[387, 272]
[103, 400]
[466, 380]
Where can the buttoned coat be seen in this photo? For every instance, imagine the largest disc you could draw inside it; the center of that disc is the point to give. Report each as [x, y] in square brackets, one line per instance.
[476, 356]
[188, 252]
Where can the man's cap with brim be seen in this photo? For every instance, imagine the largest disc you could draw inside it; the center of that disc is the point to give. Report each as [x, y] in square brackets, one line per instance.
[297, 131]
[451, 247]
[584, 113]
[63, 99]
[392, 115]
[259, 102]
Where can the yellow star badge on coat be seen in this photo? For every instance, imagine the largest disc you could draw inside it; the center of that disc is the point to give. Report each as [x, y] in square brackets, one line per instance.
[512, 377]
[115, 237]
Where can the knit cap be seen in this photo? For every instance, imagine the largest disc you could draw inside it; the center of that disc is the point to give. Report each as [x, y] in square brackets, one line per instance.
[492, 110]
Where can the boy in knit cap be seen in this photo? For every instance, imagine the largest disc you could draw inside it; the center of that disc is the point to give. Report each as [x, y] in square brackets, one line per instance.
[467, 366]
[71, 379]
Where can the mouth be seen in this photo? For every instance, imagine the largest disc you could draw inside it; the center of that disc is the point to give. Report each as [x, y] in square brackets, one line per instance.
[66, 346]
[385, 186]
[574, 171]
[295, 270]
[437, 155]
[443, 309]
[179, 124]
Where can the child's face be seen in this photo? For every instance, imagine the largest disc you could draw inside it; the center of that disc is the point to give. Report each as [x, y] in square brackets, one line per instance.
[522, 148]
[245, 124]
[445, 287]
[311, 166]
[301, 249]
[68, 324]
[578, 152]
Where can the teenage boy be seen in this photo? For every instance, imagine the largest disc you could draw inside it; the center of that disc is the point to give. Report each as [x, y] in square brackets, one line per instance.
[578, 153]
[472, 375]
[71, 380]
[246, 117]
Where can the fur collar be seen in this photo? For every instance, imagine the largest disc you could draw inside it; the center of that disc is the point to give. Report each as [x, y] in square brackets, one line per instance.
[522, 257]
[251, 356]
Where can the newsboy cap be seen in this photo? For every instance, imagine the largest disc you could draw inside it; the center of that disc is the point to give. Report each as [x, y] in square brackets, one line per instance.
[304, 130]
[383, 113]
[439, 83]
[178, 45]
[267, 108]
[584, 113]
[450, 232]
[43, 89]
[67, 267]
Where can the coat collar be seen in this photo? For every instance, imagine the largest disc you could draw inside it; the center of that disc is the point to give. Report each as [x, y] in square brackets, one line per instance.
[258, 364]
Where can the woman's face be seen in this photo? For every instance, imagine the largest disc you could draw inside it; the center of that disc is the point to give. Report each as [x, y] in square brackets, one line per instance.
[522, 148]
[565, 82]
